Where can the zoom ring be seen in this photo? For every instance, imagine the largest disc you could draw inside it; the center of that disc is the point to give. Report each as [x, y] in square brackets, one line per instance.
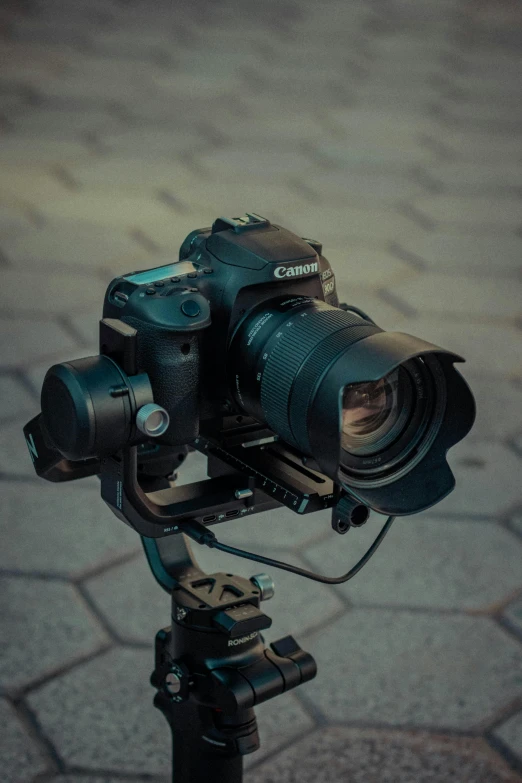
[287, 354]
[312, 370]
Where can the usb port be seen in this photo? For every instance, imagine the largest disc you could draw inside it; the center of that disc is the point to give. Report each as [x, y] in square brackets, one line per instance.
[232, 513]
[210, 518]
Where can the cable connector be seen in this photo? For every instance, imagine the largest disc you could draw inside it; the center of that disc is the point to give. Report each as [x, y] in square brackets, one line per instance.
[198, 532]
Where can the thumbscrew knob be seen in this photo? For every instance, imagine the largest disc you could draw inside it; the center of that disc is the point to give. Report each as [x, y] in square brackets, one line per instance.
[265, 585]
[152, 420]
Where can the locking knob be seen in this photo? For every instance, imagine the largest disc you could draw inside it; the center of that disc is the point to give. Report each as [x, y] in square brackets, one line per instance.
[152, 420]
[265, 585]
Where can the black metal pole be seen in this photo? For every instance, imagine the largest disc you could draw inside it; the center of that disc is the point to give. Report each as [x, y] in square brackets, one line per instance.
[195, 760]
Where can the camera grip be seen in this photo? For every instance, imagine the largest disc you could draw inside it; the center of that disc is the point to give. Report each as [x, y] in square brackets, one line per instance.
[171, 360]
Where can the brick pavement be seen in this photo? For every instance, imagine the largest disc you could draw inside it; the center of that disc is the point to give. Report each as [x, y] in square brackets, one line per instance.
[392, 132]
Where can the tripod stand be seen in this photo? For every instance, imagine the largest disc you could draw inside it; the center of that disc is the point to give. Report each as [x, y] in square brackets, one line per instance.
[212, 667]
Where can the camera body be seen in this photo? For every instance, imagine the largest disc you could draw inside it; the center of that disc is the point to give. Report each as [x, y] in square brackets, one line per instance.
[186, 312]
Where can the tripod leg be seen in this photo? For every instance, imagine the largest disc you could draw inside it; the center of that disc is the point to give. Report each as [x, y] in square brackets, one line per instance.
[207, 747]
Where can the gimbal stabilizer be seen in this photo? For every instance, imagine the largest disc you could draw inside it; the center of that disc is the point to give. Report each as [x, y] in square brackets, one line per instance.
[212, 667]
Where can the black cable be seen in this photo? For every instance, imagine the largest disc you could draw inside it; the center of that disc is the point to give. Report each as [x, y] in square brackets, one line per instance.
[202, 535]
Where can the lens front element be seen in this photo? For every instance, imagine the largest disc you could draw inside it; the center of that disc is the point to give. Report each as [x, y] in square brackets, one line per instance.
[375, 413]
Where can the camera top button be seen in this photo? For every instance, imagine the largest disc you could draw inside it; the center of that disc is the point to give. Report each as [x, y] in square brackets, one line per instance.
[192, 274]
[150, 291]
[190, 308]
[208, 271]
[159, 283]
[175, 279]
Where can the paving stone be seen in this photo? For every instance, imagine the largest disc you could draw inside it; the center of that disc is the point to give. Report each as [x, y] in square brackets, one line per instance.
[467, 178]
[15, 398]
[41, 151]
[477, 214]
[185, 83]
[29, 185]
[131, 600]
[478, 147]
[338, 754]
[430, 670]
[22, 62]
[71, 243]
[400, 128]
[127, 174]
[150, 143]
[60, 529]
[20, 758]
[514, 613]
[488, 116]
[137, 608]
[94, 722]
[476, 253]
[30, 650]
[63, 123]
[365, 264]
[55, 27]
[345, 221]
[426, 562]
[485, 299]
[24, 340]
[487, 476]
[101, 78]
[183, 111]
[370, 190]
[486, 87]
[495, 63]
[487, 348]
[254, 164]
[516, 522]
[373, 154]
[499, 408]
[120, 212]
[87, 325]
[35, 292]
[13, 221]
[168, 234]
[510, 733]
[395, 95]
[232, 198]
[266, 126]
[516, 441]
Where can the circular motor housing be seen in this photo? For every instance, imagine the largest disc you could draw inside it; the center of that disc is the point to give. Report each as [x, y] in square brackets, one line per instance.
[89, 407]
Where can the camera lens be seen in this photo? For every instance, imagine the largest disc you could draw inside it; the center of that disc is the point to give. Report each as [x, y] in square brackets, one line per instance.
[372, 408]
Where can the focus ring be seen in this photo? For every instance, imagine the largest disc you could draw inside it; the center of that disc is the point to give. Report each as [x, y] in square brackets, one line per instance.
[290, 350]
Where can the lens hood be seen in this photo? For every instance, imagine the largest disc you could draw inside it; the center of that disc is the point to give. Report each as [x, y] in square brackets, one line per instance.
[425, 477]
